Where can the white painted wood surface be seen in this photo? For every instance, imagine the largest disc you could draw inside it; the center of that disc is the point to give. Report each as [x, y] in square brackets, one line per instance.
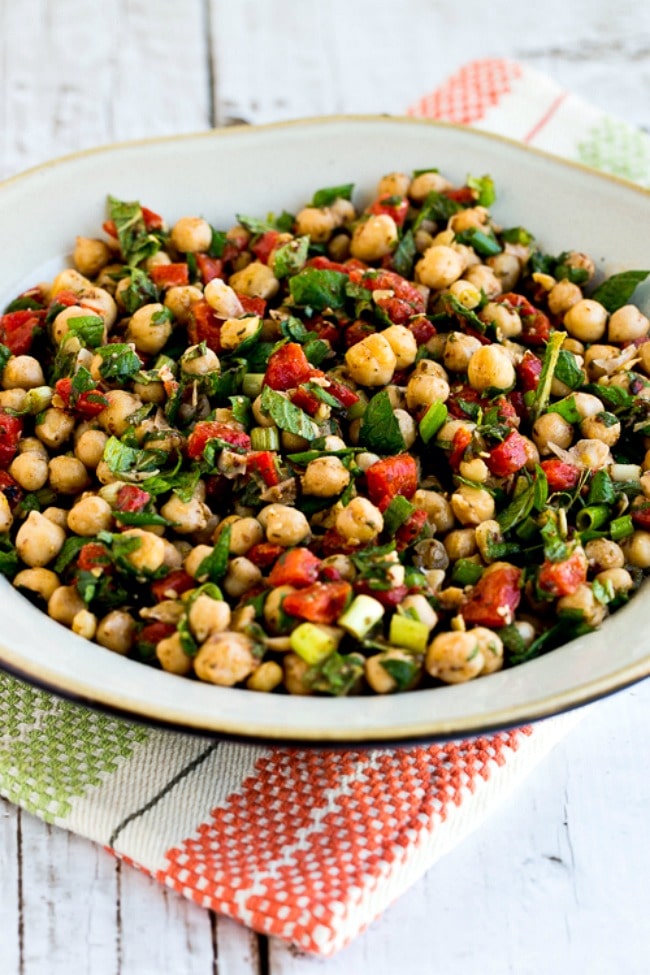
[558, 880]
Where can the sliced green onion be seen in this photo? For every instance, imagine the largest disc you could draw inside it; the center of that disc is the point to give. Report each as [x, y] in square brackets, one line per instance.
[252, 384]
[593, 517]
[360, 617]
[397, 512]
[621, 528]
[313, 643]
[357, 410]
[466, 572]
[265, 438]
[432, 421]
[601, 489]
[408, 633]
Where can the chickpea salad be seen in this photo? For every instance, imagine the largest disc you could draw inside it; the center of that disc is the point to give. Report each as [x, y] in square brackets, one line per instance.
[348, 450]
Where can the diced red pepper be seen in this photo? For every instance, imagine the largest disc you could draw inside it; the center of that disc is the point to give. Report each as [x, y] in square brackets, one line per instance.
[252, 306]
[264, 463]
[384, 280]
[287, 368]
[323, 602]
[205, 326]
[152, 221]
[407, 533]
[170, 275]
[211, 430]
[641, 515]
[563, 578]
[264, 554]
[88, 404]
[264, 245]
[109, 228]
[151, 635]
[422, 329]
[322, 263]
[529, 371]
[387, 478]
[332, 543]
[66, 297]
[387, 597]
[508, 457]
[325, 329]
[17, 330]
[346, 396]
[459, 444]
[356, 332]
[397, 309]
[209, 267]
[506, 411]
[11, 430]
[173, 585]
[495, 597]
[131, 498]
[393, 206]
[11, 489]
[296, 567]
[560, 475]
[464, 195]
[94, 555]
[305, 400]
[536, 325]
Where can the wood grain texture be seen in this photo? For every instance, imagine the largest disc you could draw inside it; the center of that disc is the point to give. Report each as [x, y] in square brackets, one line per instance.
[557, 880]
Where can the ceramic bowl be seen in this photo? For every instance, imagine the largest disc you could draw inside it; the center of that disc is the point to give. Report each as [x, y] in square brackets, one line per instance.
[251, 170]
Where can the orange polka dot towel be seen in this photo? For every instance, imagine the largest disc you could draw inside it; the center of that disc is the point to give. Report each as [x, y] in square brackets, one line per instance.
[307, 846]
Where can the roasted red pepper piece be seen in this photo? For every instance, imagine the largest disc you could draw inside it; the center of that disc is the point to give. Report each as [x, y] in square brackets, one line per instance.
[536, 325]
[296, 567]
[529, 371]
[11, 489]
[346, 396]
[131, 498]
[387, 478]
[407, 533]
[17, 330]
[495, 597]
[170, 275]
[264, 463]
[563, 578]
[464, 195]
[305, 400]
[641, 515]
[387, 597]
[252, 306]
[173, 585]
[211, 430]
[151, 635]
[396, 207]
[323, 602]
[11, 430]
[422, 329]
[508, 457]
[205, 326]
[94, 555]
[356, 332]
[88, 404]
[459, 444]
[264, 245]
[209, 267]
[560, 475]
[287, 368]
[264, 554]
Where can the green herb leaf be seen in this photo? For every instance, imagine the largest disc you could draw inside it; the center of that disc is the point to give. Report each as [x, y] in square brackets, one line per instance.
[119, 362]
[517, 235]
[218, 243]
[330, 194]
[484, 243]
[89, 329]
[617, 290]
[601, 489]
[136, 243]
[183, 483]
[484, 186]
[318, 289]
[215, 565]
[398, 511]
[286, 416]
[567, 409]
[568, 371]
[436, 207]
[125, 460]
[5, 355]
[404, 255]
[290, 257]
[71, 548]
[380, 430]
[139, 291]
[432, 421]
[403, 671]
[338, 674]
[543, 391]
[9, 562]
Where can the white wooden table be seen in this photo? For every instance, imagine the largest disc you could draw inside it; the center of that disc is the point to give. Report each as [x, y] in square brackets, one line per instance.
[558, 880]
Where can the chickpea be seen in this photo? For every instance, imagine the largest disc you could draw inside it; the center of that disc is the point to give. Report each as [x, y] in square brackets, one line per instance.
[596, 357]
[407, 428]
[116, 631]
[551, 428]
[172, 657]
[89, 516]
[266, 678]
[257, 281]
[54, 427]
[188, 516]
[13, 399]
[474, 470]
[403, 344]
[41, 582]
[378, 677]
[426, 183]
[325, 477]
[244, 533]
[393, 184]
[360, 521]
[149, 328]
[23, 372]
[593, 454]
[89, 448]
[150, 554]
[276, 621]
[455, 657]
[32, 445]
[472, 505]
[507, 268]
[459, 349]
[506, 320]
[423, 390]
[208, 616]
[374, 238]
[491, 646]
[627, 324]
[90, 256]
[600, 427]
[466, 293]
[619, 579]
[69, 280]
[603, 554]
[343, 211]
[581, 262]
[439, 267]
[438, 509]
[194, 558]
[191, 235]
[490, 368]
[484, 279]
[636, 549]
[58, 516]
[180, 301]
[284, 525]
[343, 564]
[64, 604]
[372, 361]
[98, 301]
[30, 470]
[488, 534]
[586, 320]
[115, 418]
[234, 331]
[84, 623]
[67, 475]
[468, 219]
[39, 540]
[225, 659]
[583, 601]
[563, 296]
[242, 575]
[460, 544]
[317, 223]
[6, 517]
[295, 674]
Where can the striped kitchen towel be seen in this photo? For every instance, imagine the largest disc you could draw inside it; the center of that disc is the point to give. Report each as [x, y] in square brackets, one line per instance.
[309, 846]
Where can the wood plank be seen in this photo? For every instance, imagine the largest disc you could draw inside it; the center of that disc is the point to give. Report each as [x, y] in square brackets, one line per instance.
[11, 921]
[75, 75]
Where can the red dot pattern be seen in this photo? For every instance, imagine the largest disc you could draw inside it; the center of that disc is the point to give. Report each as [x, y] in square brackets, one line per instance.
[466, 96]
